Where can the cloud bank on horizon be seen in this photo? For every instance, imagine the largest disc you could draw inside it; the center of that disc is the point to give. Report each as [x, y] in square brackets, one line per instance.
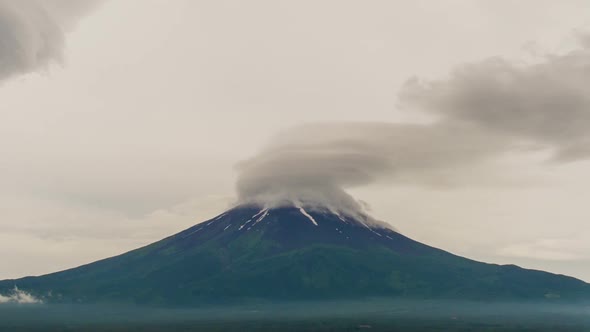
[481, 112]
[32, 32]
[20, 297]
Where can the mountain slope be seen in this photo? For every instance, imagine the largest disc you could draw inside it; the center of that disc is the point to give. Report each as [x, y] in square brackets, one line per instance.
[291, 253]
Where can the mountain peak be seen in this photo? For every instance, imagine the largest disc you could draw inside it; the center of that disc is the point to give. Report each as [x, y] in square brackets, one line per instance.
[291, 252]
[313, 213]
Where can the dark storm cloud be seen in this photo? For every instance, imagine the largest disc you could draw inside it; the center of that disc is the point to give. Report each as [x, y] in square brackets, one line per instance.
[32, 32]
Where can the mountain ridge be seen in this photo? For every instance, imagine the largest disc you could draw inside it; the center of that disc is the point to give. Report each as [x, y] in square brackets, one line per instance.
[292, 253]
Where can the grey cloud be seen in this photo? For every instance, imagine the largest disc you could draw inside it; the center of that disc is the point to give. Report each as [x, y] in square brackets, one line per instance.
[546, 103]
[583, 38]
[314, 164]
[20, 297]
[557, 249]
[483, 111]
[32, 32]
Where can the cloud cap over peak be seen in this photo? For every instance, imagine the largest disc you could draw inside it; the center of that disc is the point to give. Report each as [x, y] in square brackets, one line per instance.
[483, 111]
[317, 163]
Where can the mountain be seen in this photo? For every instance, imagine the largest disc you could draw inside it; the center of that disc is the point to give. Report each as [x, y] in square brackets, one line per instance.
[292, 253]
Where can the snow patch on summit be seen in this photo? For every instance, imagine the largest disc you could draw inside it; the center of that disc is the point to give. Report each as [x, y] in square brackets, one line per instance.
[220, 216]
[303, 212]
[262, 216]
[239, 229]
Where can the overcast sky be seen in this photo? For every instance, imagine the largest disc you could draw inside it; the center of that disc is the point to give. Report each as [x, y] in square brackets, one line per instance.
[123, 122]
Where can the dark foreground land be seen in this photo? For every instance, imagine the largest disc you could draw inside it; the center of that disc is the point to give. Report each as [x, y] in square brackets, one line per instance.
[371, 315]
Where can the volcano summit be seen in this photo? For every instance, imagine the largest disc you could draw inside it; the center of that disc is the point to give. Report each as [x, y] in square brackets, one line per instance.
[292, 253]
